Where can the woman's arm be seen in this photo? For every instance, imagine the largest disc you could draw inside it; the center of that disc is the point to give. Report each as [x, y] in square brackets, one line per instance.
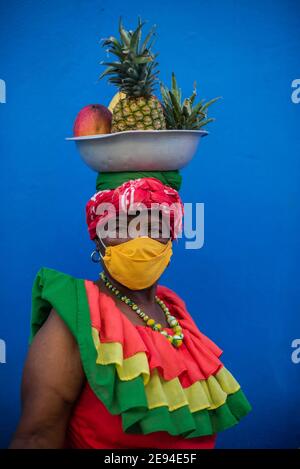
[52, 381]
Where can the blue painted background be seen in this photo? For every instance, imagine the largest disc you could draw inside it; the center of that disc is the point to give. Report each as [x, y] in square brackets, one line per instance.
[243, 285]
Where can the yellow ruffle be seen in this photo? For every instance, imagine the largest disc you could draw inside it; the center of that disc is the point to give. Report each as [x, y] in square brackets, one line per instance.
[203, 394]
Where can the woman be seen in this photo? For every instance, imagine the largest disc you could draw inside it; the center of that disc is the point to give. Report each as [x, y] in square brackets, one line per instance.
[119, 362]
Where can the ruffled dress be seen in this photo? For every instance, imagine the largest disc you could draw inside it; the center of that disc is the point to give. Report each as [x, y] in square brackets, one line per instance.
[140, 391]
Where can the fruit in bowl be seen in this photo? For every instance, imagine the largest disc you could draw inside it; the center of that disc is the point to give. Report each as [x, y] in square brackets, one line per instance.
[135, 107]
[115, 99]
[186, 114]
[92, 120]
[135, 75]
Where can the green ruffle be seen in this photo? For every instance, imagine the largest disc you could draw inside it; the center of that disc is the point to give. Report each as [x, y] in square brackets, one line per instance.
[190, 425]
[125, 398]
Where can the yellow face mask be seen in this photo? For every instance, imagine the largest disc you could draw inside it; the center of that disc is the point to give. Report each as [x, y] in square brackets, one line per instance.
[137, 263]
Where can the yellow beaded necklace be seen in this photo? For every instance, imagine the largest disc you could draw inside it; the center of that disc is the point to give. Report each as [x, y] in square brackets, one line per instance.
[176, 339]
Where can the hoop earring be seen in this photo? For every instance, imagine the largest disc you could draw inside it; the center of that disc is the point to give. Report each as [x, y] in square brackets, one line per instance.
[93, 256]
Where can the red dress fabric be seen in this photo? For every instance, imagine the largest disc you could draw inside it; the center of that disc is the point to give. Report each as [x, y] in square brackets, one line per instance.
[91, 424]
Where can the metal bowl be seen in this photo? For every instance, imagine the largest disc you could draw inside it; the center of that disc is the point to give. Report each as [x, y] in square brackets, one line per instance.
[139, 150]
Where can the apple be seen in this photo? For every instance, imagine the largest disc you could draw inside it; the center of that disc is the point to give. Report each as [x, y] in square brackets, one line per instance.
[92, 119]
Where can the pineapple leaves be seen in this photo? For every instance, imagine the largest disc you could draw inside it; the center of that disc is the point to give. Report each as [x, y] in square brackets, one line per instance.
[148, 37]
[176, 106]
[210, 102]
[135, 39]
[124, 34]
[136, 62]
[193, 97]
[206, 121]
[184, 115]
[135, 72]
[142, 60]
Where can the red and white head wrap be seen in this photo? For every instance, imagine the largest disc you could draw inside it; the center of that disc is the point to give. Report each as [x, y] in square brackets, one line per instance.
[128, 196]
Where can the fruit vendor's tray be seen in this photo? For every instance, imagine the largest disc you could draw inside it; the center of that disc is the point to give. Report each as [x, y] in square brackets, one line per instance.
[139, 150]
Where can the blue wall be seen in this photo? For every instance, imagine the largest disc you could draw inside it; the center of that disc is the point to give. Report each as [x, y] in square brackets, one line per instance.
[243, 285]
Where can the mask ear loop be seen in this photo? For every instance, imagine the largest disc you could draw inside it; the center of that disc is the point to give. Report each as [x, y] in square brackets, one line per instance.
[100, 239]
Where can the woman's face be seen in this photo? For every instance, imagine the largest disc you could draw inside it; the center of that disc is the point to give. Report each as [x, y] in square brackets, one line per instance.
[155, 226]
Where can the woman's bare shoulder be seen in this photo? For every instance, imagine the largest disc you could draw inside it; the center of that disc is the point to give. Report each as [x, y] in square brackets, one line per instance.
[52, 381]
[54, 359]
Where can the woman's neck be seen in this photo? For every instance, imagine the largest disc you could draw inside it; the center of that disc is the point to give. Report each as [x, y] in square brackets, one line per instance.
[145, 296]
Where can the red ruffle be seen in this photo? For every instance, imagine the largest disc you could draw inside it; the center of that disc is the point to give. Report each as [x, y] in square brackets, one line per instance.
[196, 359]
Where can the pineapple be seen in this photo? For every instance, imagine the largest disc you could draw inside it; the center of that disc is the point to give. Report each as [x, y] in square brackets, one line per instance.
[183, 115]
[135, 76]
[116, 98]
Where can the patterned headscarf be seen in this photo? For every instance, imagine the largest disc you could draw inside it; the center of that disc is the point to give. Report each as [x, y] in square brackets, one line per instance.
[129, 195]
